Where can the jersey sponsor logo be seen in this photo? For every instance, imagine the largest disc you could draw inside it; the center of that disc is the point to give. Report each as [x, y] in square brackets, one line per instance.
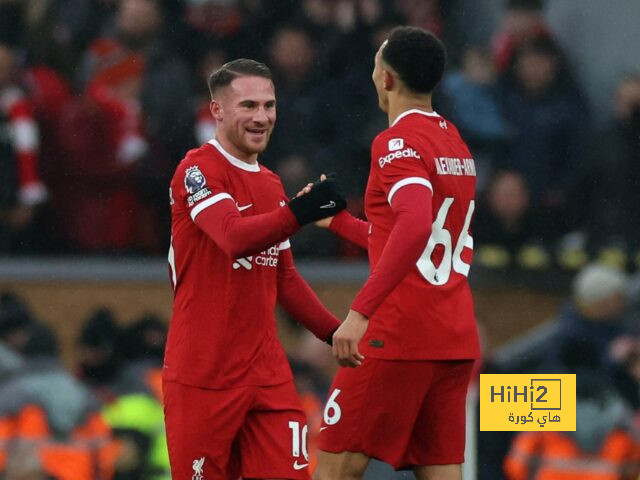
[243, 207]
[197, 469]
[455, 166]
[443, 124]
[406, 153]
[266, 258]
[171, 200]
[331, 204]
[299, 466]
[196, 197]
[396, 144]
[194, 180]
[282, 203]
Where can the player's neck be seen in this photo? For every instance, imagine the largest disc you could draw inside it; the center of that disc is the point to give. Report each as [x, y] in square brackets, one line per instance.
[401, 104]
[230, 148]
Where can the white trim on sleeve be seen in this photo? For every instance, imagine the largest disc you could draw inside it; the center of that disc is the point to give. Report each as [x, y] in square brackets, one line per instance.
[284, 245]
[408, 181]
[207, 203]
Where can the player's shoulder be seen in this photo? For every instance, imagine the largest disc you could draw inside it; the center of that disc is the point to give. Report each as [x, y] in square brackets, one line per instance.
[204, 157]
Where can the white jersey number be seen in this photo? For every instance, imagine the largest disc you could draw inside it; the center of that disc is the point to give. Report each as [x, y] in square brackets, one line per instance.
[332, 411]
[452, 256]
[298, 440]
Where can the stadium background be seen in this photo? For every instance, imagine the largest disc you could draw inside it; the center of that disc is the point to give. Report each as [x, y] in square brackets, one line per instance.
[99, 100]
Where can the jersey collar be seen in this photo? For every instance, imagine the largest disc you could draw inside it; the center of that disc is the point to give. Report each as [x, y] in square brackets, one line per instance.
[236, 162]
[414, 110]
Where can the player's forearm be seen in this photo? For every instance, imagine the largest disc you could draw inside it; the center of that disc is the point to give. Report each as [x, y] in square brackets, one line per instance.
[240, 236]
[300, 301]
[351, 228]
[407, 240]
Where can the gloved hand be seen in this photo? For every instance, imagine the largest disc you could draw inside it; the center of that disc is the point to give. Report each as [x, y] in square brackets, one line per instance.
[324, 200]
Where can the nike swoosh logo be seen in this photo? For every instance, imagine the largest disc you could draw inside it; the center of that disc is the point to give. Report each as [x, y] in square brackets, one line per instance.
[331, 204]
[297, 466]
[323, 428]
[244, 207]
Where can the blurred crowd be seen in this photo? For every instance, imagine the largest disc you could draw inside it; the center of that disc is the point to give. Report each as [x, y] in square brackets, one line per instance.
[99, 100]
[596, 336]
[94, 411]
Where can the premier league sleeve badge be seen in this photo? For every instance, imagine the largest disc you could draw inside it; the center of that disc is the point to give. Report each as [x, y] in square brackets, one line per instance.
[194, 180]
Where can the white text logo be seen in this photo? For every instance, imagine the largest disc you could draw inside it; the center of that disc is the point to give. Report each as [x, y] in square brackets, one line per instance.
[266, 258]
[406, 153]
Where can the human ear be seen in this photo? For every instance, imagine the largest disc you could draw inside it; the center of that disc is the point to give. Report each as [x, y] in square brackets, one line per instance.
[216, 110]
[387, 80]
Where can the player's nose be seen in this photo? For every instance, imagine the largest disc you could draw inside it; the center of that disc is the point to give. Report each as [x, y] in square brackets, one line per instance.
[260, 116]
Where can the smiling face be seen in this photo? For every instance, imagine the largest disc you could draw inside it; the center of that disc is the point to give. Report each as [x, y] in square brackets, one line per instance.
[246, 114]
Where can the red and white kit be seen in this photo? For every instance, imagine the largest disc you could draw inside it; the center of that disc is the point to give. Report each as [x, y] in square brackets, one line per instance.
[230, 404]
[405, 404]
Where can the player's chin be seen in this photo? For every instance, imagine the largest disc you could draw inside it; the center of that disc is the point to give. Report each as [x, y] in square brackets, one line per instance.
[257, 142]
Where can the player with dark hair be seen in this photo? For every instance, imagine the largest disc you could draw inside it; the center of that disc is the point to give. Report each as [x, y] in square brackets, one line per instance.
[231, 407]
[413, 320]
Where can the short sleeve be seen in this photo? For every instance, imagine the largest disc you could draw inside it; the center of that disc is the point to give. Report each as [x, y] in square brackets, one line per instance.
[195, 187]
[396, 164]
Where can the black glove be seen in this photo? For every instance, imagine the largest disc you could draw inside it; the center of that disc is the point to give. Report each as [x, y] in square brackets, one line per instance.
[324, 200]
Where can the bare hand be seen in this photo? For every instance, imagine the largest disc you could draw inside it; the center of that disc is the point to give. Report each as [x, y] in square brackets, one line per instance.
[324, 223]
[347, 338]
[305, 190]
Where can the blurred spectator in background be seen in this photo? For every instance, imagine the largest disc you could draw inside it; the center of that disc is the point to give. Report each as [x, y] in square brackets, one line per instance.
[56, 32]
[135, 413]
[98, 355]
[108, 152]
[15, 321]
[43, 406]
[21, 190]
[521, 21]
[604, 445]
[471, 97]
[301, 145]
[547, 119]
[614, 156]
[591, 334]
[166, 99]
[506, 229]
[211, 60]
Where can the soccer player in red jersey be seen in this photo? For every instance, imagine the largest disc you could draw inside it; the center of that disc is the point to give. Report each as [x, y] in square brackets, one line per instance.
[231, 407]
[413, 320]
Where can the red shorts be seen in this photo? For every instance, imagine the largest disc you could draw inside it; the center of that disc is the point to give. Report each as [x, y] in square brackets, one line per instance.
[256, 432]
[405, 413]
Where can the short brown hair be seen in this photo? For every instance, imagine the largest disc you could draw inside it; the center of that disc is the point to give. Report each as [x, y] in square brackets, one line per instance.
[242, 67]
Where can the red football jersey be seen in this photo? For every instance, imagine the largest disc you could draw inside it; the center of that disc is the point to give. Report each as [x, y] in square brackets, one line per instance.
[430, 314]
[222, 332]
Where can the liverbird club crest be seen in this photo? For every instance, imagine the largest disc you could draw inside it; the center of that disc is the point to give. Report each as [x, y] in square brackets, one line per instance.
[197, 469]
